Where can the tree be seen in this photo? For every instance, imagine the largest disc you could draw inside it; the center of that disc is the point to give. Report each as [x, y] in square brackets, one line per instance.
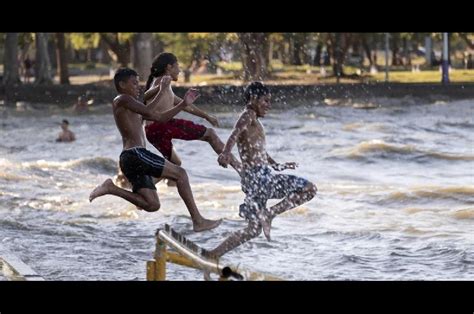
[298, 45]
[43, 64]
[337, 45]
[468, 38]
[142, 54]
[119, 46]
[192, 48]
[395, 45]
[254, 55]
[62, 60]
[10, 61]
[368, 40]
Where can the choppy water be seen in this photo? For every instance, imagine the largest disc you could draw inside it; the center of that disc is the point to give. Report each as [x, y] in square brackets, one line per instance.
[395, 199]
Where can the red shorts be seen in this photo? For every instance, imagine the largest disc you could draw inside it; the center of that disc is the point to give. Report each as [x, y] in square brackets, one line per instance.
[160, 134]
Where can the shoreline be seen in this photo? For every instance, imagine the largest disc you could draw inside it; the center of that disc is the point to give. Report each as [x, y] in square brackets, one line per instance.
[66, 95]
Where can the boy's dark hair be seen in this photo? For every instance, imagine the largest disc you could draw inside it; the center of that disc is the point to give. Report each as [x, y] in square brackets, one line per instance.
[255, 89]
[66, 122]
[158, 67]
[122, 75]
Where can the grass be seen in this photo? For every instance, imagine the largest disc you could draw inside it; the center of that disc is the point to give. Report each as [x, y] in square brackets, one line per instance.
[285, 74]
[424, 76]
[307, 74]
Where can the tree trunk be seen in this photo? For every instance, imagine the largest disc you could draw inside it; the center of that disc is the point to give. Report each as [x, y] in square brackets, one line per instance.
[296, 52]
[338, 57]
[254, 55]
[10, 60]
[406, 52]
[367, 49]
[300, 54]
[104, 55]
[62, 60]
[317, 56]
[120, 51]
[395, 50]
[142, 54]
[42, 62]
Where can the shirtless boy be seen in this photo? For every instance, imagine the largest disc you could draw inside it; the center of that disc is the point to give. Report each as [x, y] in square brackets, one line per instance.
[137, 163]
[259, 183]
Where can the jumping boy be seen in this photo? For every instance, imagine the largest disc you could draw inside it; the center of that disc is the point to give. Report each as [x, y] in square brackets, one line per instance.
[160, 134]
[258, 181]
[137, 163]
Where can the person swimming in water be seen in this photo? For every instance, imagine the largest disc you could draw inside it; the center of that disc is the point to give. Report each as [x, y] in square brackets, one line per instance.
[66, 135]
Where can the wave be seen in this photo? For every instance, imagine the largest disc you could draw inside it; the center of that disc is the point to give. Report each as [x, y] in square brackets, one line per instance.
[380, 148]
[12, 177]
[101, 164]
[13, 224]
[467, 213]
[463, 124]
[459, 193]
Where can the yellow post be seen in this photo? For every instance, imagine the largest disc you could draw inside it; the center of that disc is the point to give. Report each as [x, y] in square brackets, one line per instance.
[150, 270]
[176, 258]
[160, 258]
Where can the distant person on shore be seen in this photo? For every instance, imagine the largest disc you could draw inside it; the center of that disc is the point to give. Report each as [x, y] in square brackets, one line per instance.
[137, 163]
[161, 134]
[469, 64]
[65, 135]
[259, 182]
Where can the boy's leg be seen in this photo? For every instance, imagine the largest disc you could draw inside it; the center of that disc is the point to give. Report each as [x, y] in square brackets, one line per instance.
[292, 200]
[211, 137]
[145, 198]
[177, 161]
[237, 238]
[174, 172]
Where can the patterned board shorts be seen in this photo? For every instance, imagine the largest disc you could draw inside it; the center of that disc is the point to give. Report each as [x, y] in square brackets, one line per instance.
[260, 184]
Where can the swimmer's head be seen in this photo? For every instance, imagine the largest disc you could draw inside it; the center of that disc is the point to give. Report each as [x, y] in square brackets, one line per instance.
[64, 124]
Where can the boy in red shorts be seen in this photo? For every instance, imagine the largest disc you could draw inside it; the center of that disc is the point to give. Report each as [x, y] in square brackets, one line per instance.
[160, 134]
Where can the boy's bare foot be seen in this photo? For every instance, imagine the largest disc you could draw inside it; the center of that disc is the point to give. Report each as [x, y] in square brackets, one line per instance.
[102, 189]
[206, 224]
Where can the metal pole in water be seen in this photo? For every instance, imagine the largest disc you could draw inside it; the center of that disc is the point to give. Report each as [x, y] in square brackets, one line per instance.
[445, 62]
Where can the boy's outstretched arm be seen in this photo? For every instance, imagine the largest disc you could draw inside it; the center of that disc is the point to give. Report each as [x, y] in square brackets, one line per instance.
[280, 167]
[242, 123]
[149, 113]
[192, 109]
[151, 92]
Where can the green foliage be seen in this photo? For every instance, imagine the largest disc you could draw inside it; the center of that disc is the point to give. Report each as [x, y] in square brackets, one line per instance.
[194, 46]
[83, 40]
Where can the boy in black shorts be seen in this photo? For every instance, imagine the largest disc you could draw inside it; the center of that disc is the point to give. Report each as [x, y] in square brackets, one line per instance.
[137, 163]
